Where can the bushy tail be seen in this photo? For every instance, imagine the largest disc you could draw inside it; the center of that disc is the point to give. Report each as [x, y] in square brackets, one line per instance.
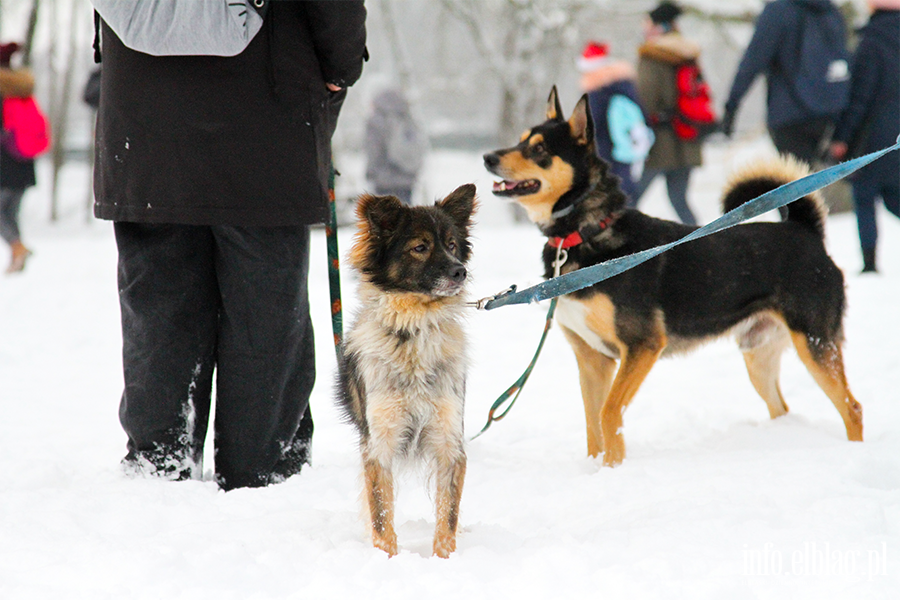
[764, 175]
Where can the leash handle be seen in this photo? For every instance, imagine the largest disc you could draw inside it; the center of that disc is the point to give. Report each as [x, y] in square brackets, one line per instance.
[781, 196]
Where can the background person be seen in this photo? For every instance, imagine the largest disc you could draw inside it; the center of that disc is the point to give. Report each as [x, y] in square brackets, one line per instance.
[395, 146]
[671, 156]
[621, 135]
[16, 173]
[872, 122]
[794, 38]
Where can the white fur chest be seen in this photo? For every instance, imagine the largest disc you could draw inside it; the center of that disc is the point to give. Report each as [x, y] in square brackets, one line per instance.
[572, 315]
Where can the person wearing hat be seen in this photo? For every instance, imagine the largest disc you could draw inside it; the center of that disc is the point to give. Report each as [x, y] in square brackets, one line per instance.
[621, 135]
[16, 173]
[663, 50]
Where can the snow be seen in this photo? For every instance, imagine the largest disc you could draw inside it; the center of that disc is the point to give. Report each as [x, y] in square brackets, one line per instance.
[713, 501]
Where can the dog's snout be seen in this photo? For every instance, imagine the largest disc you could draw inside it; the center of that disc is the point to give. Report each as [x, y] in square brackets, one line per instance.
[491, 159]
[458, 273]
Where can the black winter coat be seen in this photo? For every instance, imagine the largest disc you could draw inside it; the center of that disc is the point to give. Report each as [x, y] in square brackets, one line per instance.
[244, 140]
[872, 119]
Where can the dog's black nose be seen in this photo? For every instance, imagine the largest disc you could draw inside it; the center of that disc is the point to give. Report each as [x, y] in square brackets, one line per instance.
[458, 273]
[491, 159]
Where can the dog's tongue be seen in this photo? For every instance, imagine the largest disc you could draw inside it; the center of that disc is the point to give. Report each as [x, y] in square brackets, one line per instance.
[505, 186]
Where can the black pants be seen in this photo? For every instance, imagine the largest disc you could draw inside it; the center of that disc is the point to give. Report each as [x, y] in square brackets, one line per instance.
[232, 300]
[804, 139]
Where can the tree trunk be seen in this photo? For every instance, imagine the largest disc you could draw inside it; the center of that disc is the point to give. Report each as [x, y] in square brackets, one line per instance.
[29, 34]
[61, 112]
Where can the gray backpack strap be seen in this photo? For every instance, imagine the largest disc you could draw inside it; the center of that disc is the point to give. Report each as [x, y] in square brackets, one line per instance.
[184, 27]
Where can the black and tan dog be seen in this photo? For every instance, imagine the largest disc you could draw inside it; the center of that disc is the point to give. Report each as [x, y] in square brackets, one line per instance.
[403, 374]
[768, 284]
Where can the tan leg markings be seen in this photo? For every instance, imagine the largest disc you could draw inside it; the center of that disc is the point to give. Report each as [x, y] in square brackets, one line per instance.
[595, 373]
[449, 492]
[380, 497]
[764, 367]
[828, 372]
[636, 364]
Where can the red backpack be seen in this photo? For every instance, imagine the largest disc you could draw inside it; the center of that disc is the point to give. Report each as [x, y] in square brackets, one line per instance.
[694, 117]
[26, 132]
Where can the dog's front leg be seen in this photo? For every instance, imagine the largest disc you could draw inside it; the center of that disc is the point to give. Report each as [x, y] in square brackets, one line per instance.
[595, 373]
[636, 364]
[380, 497]
[450, 477]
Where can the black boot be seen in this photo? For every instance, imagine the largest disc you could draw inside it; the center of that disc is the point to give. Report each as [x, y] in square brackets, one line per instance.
[869, 260]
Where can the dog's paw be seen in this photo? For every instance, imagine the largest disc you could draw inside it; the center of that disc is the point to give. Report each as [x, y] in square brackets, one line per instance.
[614, 453]
[386, 543]
[444, 546]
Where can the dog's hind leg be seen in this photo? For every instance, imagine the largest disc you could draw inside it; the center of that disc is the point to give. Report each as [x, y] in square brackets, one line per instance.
[595, 373]
[636, 364]
[763, 343]
[764, 367]
[824, 361]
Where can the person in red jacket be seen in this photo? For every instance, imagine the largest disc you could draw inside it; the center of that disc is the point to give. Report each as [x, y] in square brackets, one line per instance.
[212, 169]
[16, 173]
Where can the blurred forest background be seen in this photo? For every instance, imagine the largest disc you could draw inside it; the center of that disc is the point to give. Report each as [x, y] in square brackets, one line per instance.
[476, 72]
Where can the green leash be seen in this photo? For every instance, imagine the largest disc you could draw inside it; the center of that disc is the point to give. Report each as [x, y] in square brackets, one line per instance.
[516, 388]
[334, 271]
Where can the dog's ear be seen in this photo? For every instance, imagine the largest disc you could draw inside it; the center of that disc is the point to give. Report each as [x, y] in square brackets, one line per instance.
[382, 214]
[580, 123]
[459, 205]
[554, 109]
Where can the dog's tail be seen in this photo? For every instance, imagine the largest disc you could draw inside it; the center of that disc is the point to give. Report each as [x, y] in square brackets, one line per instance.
[764, 175]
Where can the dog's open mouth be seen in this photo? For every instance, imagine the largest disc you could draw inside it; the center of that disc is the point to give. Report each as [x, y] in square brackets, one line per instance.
[516, 188]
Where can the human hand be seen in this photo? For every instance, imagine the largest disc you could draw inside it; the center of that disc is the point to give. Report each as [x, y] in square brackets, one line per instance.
[838, 150]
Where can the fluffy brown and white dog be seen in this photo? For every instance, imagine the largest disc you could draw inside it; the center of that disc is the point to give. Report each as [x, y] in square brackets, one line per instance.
[770, 285]
[402, 378]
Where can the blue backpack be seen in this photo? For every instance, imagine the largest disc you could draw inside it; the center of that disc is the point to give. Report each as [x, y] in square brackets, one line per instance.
[821, 79]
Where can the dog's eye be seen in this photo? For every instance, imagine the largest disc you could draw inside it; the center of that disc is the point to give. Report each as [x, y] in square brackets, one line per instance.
[451, 245]
[539, 149]
[420, 249]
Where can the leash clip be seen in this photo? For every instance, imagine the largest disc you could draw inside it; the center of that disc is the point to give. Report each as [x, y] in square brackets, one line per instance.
[480, 304]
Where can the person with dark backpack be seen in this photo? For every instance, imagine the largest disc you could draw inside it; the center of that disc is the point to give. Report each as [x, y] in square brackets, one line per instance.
[801, 48]
[212, 163]
[676, 150]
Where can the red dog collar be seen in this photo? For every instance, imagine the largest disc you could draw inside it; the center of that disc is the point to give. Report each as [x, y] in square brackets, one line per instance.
[578, 237]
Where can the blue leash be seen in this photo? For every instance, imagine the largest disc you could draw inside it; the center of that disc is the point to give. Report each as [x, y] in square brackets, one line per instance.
[782, 196]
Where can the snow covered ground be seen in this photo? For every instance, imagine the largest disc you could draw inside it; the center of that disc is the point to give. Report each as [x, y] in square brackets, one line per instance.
[714, 500]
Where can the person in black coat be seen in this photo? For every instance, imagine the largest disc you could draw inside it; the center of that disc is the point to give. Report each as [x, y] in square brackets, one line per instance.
[798, 119]
[872, 122]
[212, 169]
